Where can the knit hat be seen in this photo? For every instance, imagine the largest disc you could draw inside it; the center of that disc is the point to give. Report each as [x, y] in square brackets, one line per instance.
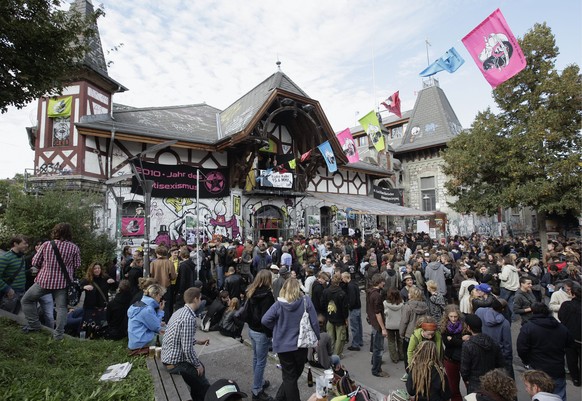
[474, 322]
[222, 389]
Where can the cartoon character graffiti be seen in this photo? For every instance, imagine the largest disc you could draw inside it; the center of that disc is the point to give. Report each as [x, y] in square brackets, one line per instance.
[221, 224]
[497, 52]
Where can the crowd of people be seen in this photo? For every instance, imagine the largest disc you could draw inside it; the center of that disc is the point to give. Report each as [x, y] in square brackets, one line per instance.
[445, 308]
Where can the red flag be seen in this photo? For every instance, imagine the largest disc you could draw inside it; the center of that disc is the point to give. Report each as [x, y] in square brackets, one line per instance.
[392, 104]
[306, 155]
[495, 50]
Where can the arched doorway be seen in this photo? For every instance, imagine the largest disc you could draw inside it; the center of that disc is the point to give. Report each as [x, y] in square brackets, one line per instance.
[268, 222]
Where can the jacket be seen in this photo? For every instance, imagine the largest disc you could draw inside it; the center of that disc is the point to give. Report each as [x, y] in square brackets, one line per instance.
[522, 301]
[95, 298]
[393, 315]
[454, 346]
[284, 318]
[535, 350]
[259, 304]
[436, 391]
[436, 271]
[163, 271]
[335, 305]
[570, 315]
[410, 314]
[479, 355]
[496, 326]
[416, 338]
[145, 321]
[353, 292]
[557, 299]
[509, 278]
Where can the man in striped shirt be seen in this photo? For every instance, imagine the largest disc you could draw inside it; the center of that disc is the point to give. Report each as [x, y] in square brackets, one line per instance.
[12, 275]
[50, 278]
[178, 354]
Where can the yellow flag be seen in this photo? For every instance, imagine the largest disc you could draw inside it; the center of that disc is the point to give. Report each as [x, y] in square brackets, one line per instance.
[293, 164]
[60, 107]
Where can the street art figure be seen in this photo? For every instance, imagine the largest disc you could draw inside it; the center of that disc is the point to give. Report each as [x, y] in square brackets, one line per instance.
[497, 51]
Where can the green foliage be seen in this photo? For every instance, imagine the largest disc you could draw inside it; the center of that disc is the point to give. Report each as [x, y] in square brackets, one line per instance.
[35, 367]
[36, 215]
[528, 155]
[40, 47]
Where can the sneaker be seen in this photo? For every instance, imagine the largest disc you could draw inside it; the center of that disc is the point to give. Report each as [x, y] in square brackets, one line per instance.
[262, 396]
[28, 329]
[405, 377]
[381, 374]
[266, 384]
[352, 348]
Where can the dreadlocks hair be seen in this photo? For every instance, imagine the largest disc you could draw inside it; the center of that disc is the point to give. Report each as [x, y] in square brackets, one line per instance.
[421, 366]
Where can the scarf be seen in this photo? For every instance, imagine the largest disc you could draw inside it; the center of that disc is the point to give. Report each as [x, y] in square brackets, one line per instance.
[454, 328]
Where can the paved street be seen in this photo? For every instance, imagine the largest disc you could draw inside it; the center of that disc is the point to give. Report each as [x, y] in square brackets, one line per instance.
[228, 358]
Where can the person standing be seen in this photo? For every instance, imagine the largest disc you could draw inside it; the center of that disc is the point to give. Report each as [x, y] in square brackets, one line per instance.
[162, 269]
[436, 271]
[284, 318]
[509, 284]
[355, 311]
[335, 303]
[479, 355]
[427, 379]
[260, 298]
[178, 353]
[560, 296]
[454, 334]
[12, 275]
[496, 326]
[539, 385]
[393, 311]
[50, 278]
[524, 299]
[570, 315]
[415, 308]
[375, 312]
[542, 344]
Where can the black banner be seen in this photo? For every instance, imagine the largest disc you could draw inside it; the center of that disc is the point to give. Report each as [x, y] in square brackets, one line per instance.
[180, 181]
[389, 195]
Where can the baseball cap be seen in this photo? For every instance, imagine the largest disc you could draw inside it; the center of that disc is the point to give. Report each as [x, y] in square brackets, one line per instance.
[484, 287]
[221, 389]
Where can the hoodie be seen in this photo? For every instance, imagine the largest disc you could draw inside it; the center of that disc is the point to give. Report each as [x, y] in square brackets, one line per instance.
[284, 318]
[144, 320]
[259, 304]
[509, 278]
[479, 355]
[436, 271]
[393, 315]
[496, 326]
[535, 350]
[543, 396]
[410, 314]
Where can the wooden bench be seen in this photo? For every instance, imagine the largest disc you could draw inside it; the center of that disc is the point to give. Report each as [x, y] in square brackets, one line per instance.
[167, 387]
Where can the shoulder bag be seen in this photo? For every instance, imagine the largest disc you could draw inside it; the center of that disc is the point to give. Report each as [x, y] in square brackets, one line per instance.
[307, 337]
[73, 287]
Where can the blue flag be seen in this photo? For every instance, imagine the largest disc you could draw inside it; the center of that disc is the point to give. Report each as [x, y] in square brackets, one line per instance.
[328, 155]
[451, 61]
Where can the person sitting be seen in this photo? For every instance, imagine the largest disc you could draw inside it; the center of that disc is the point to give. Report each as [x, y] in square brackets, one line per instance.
[145, 319]
[321, 356]
[229, 325]
[117, 312]
[96, 287]
[215, 311]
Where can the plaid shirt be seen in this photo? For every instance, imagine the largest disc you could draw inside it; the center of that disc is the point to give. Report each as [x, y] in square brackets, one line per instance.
[180, 338]
[50, 275]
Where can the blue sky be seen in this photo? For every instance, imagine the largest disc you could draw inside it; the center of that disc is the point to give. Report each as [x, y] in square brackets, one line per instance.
[347, 55]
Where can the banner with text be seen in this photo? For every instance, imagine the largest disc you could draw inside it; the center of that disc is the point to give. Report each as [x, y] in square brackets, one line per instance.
[270, 178]
[389, 195]
[180, 181]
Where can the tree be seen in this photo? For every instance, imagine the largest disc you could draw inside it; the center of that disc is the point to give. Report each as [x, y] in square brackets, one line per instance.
[40, 48]
[35, 215]
[528, 155]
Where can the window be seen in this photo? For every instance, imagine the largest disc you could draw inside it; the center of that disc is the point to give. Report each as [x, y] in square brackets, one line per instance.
[363, 140]
[428, 193]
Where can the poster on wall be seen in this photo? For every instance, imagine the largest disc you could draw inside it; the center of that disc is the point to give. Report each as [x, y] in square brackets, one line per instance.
[236, 205]
[179, 181]
[341, 221]
[313, 224]
[422, 226]
[132, 226]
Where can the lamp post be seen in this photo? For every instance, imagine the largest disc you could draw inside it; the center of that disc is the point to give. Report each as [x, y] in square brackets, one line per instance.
[119, 208]
[147, 186]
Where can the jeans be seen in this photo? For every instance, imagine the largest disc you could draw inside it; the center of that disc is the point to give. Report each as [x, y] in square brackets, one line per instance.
[33, 295]
[260, 352]
[377, 350]
[12, 305]
[47, 305]
[560, 388]
[573, 361]
[219, 276]
[198, 384]
[508, 296]
[292, 364]
[356, 328]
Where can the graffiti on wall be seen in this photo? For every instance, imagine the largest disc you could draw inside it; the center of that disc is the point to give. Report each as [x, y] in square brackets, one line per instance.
[465, 225]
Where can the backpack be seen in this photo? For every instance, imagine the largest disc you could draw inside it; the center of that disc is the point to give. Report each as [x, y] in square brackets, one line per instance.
[262, 262]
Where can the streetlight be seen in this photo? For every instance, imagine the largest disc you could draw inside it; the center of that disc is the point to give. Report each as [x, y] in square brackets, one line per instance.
[119, 203]
[147, 186]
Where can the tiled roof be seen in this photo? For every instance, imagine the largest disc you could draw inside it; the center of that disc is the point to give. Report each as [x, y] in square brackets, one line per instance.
[237, 116]
[433, 122]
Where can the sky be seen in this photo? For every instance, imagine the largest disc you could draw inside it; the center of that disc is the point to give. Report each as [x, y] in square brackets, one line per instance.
[348, 55]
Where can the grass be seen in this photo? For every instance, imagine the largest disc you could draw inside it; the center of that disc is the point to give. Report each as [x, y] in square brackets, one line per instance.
[35, 367]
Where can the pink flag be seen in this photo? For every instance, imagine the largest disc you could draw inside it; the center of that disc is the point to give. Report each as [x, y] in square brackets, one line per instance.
[132, 226]
[346, 140]
[306, 155]
[393, 104]
[495, 49]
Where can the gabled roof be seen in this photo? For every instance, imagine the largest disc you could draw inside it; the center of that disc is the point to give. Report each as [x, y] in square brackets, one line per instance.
[237, 116]
[433, 122]
[190, 123]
